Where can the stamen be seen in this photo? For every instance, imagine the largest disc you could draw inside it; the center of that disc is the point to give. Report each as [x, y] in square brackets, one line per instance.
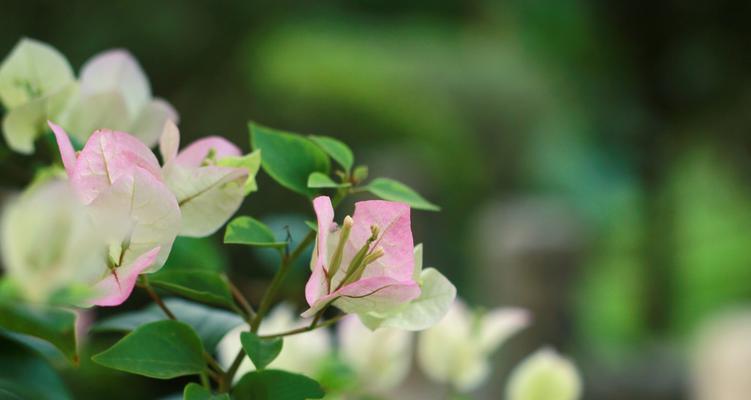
[356, 267]
[210, 158]
[374, 255]
[336, 259]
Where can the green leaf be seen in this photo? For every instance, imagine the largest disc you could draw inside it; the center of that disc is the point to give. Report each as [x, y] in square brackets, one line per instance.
[270, 384]
[27, 375]
[319, 180]
[289, 158]
[211, 324]
[194, 391]
[389, 189]
[204, 286]
[195, 254]
[162, 350]
[337, 149]
[261, 351]
[250, 231]
[55, 325]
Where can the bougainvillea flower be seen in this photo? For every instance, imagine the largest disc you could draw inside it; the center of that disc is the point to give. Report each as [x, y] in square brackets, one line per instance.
[36, 84]
[367, 264]
[544, 375]
[437, 294]
[48, 244]
[457, 350]
[115, 94]
[119, 180]
[303, 353]
[210, 178]
[380, 359]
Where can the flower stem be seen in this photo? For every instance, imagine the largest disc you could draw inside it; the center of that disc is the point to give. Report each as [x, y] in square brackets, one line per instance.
[287, 260]
[247, 309]
[313, 326]
[154, 296]
[268, 297]
[276, 282]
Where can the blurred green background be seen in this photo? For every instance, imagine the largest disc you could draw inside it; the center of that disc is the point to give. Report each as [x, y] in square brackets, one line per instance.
[591, 157]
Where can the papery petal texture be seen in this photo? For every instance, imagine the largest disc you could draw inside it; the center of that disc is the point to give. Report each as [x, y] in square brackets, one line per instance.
[117, 286]
[209, 178]
[386, 283]
[106, 157]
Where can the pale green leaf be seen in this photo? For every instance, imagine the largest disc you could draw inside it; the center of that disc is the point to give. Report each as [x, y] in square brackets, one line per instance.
[389, 189]
[318, 180]
[250, 231]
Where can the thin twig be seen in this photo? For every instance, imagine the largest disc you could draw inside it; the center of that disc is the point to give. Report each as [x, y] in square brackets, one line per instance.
[304, 329]
[154, 296]
[276, 282]
[250, 314]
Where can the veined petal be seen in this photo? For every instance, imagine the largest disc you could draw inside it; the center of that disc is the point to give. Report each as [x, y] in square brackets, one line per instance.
[207, 196]
[317, 285]
[436, 296]
[393, 221]
[196, 152]
[147, 212]
[118, 71]
[378, 294]
[117, 286]
[107, 157]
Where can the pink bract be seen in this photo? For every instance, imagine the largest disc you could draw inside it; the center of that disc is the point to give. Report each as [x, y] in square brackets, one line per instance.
[120, 181]
[385, 283]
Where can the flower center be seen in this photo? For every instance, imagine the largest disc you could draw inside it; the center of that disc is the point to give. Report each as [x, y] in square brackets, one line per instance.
[364, 256]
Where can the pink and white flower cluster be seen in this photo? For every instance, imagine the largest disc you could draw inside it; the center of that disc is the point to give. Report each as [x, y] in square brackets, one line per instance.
[139, 207]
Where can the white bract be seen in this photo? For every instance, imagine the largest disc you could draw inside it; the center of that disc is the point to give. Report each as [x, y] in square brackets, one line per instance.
[303, 353]
[457, 350]
[437, 294]
[36, 84]
[49, 244]
[210, 179]
[115, 94]
[380, 358]
[544, 375]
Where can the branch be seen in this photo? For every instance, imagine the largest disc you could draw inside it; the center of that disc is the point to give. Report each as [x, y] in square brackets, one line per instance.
[154, 296]
[304, 329]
